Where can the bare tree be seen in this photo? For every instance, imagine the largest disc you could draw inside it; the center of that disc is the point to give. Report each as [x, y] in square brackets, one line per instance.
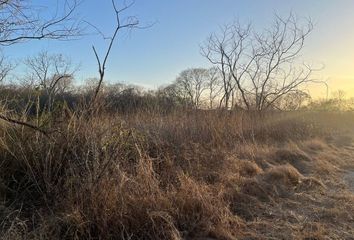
[127, 23]
[293, 100]
[261, 67]
[217, 49]
[5, 67]
[193, 83]
[22, 20]
[214, 85]
[51, 73]
[174, 95]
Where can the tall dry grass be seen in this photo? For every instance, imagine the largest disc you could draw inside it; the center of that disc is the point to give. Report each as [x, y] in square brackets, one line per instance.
[184, 175]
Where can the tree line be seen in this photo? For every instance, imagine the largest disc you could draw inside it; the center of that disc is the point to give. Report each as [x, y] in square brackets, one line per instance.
[250, 69]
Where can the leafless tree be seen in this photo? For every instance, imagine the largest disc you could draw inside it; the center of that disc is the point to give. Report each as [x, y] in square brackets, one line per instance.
[51, 73]
[193, 83]
[339, 97]
[261, 67]
[22, 20]
[170, 91]
[217, 49]
[214, 85]
[292, 101]
[121, 24]
[5, 67]
[173, 95]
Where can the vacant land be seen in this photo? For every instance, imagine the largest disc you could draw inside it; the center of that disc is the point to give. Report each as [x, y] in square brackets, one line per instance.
[182, 175]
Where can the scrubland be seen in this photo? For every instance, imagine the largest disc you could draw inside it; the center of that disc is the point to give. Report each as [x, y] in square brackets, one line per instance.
[182, 175]
[107, 160]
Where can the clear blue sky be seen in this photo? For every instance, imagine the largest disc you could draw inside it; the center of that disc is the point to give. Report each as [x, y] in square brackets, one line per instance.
[155, 56]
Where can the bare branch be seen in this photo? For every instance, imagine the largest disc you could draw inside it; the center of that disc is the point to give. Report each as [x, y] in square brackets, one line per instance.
[25, 124]
[22, 22]
[129, 23]
[261, 67]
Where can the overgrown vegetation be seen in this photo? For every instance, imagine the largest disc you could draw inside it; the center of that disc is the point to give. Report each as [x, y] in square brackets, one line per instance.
[237, 151]
[180, 175]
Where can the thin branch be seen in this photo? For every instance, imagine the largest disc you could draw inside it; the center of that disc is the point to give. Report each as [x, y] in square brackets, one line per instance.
[25, 124]
[21, 22]
[119, 26]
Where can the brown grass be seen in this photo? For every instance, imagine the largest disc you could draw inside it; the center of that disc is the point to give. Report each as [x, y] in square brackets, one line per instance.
[197, 175]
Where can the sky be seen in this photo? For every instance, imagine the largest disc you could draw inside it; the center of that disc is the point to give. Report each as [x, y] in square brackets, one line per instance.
[154, 56]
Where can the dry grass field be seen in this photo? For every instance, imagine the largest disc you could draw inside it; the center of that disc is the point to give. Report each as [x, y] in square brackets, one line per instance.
[191, 175]
[176, 120]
